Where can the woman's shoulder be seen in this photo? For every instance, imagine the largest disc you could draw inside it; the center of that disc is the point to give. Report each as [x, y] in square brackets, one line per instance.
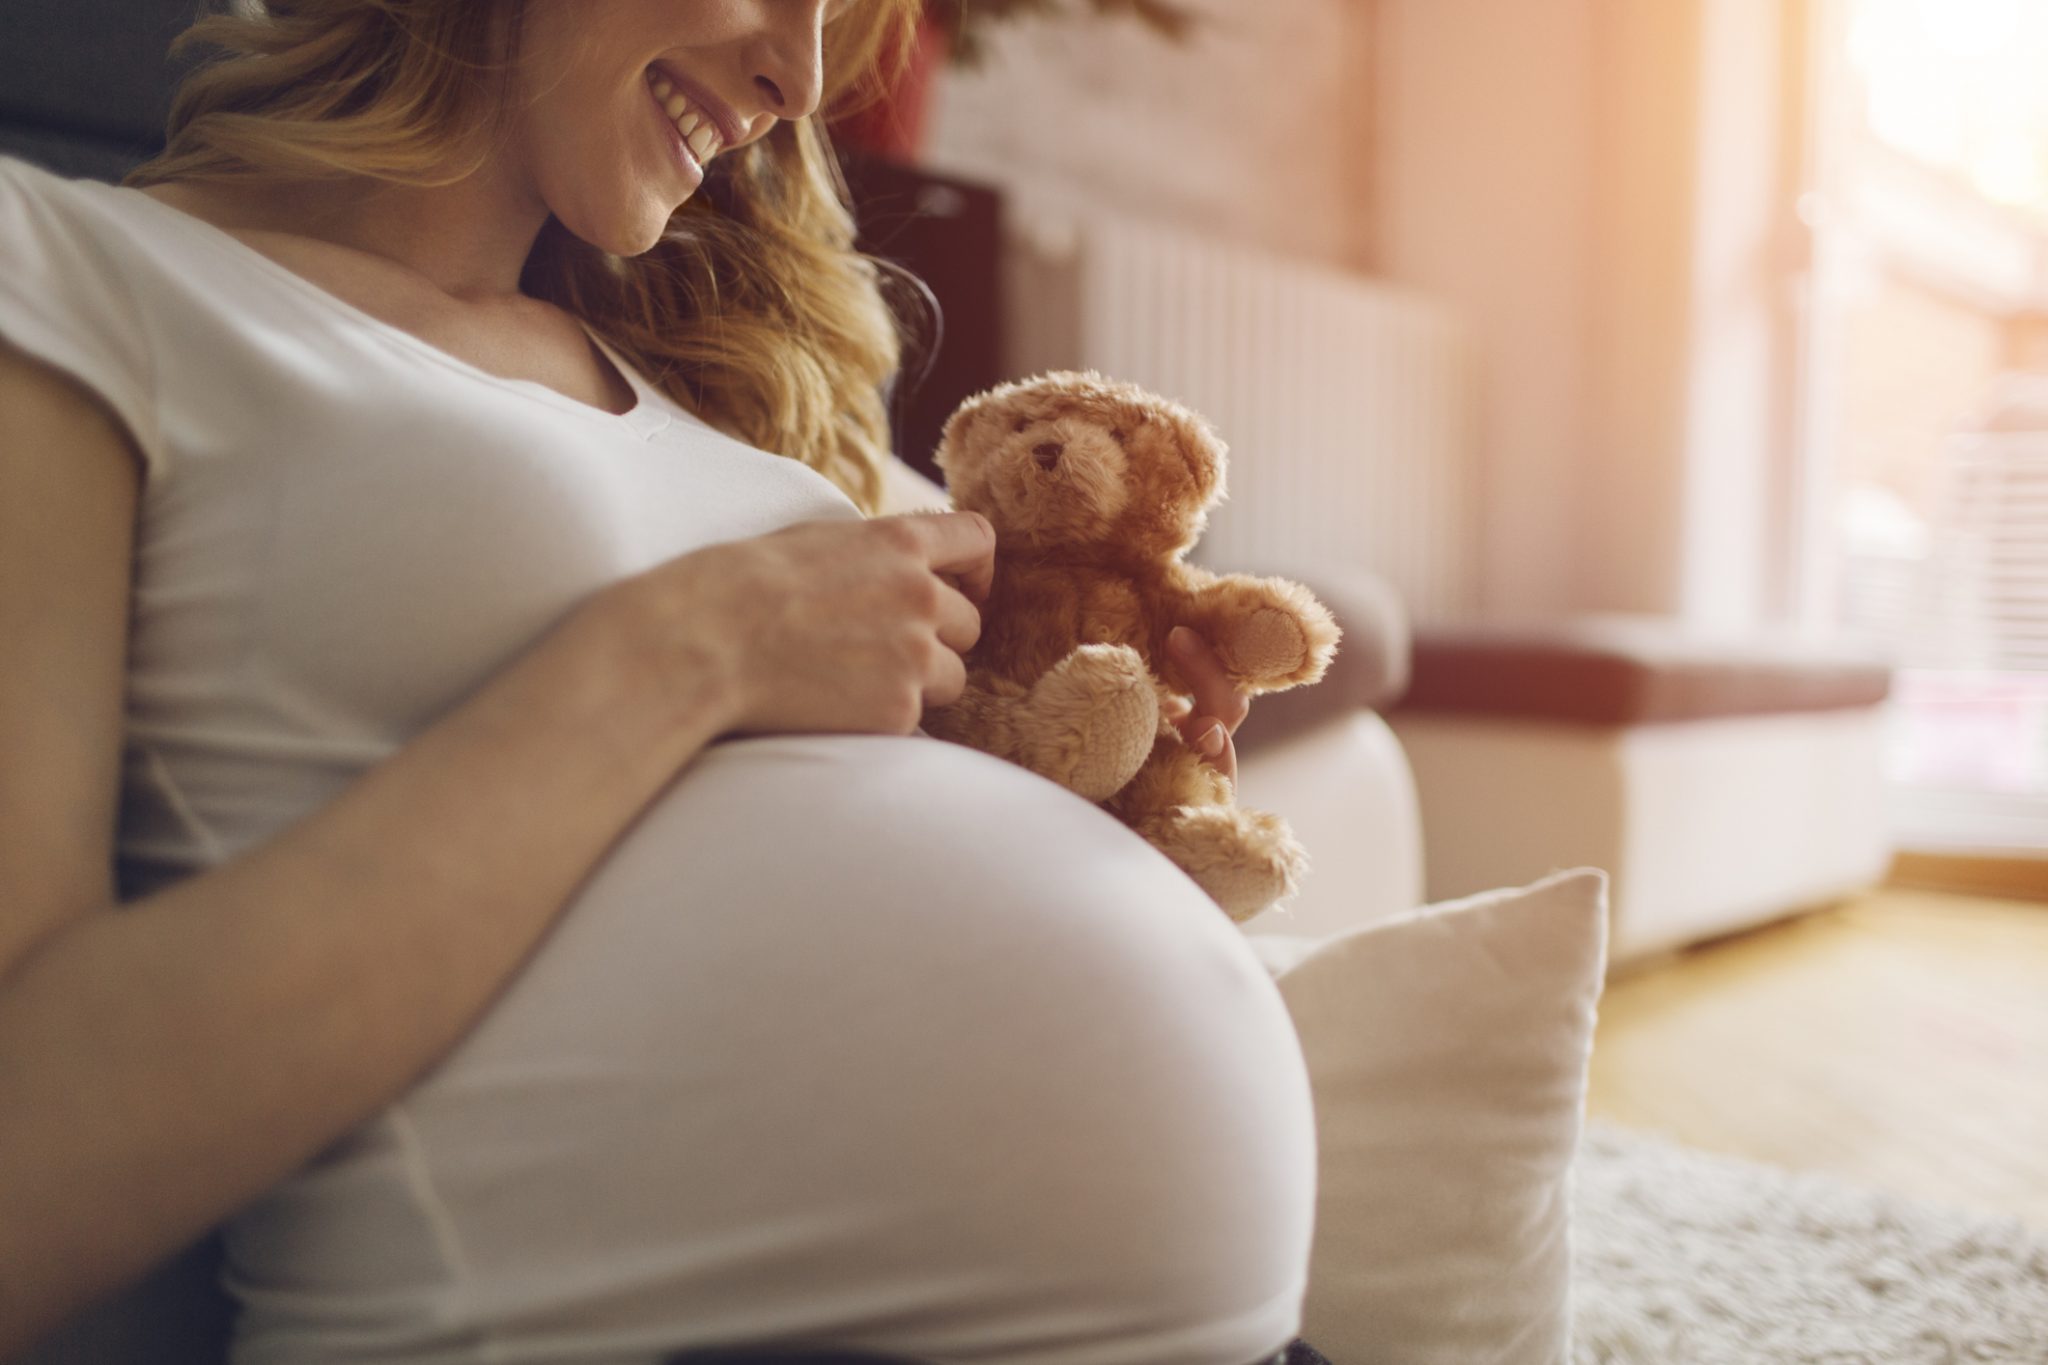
[70, 294]
[51, 222]
[32, 196]
[26, 187]
[106, 255]
[23, 176]
[116, 227]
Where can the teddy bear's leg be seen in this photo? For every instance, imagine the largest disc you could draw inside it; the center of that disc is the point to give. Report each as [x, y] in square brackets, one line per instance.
[983, 716]
[1087, 724]
[1090, 722]
[1245, 859]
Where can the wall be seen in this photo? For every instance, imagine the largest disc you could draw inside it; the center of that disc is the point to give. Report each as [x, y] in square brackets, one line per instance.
[1740, 480]
[1485, 183]
[1598, 187]
[1254, 131]
[1595, 186]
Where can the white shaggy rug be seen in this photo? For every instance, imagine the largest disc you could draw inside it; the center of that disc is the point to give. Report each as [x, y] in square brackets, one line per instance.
[1685, 1258]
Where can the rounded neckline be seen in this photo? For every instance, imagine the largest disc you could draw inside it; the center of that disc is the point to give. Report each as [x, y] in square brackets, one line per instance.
[645, 417]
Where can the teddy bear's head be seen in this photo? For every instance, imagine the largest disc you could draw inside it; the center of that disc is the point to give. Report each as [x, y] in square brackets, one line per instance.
[1072, 458]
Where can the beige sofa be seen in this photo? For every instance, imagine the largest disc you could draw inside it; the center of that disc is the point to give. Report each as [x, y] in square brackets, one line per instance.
[1721, 779]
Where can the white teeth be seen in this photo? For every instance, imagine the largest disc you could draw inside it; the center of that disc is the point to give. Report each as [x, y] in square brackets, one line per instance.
[698, 131]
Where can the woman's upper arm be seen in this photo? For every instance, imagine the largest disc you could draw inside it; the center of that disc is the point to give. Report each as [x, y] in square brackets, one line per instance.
[69, 483]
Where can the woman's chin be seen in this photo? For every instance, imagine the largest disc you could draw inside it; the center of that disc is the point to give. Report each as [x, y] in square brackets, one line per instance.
[630, 230]
[640, 235]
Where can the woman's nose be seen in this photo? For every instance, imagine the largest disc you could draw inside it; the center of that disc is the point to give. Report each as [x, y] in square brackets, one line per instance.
[788, 59]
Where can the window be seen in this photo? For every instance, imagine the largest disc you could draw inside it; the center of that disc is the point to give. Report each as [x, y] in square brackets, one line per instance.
[1926, 394]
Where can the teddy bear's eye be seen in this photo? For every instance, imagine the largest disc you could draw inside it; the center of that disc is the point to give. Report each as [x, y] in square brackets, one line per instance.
[1117, 434]
[1021, 423]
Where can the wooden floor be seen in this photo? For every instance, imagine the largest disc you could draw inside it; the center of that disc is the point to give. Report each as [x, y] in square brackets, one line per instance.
[1900, 1040]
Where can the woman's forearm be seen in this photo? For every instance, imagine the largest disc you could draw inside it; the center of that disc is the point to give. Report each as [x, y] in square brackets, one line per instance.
[164, 1063]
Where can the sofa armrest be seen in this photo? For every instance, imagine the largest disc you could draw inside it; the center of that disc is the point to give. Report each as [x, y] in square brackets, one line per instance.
[1371, 668]
[1345, 787]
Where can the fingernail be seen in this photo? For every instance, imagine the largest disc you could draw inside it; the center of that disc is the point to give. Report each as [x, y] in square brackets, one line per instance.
[1181, 638]
[1211, 742]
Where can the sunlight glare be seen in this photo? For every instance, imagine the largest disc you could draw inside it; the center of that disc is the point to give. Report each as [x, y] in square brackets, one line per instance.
[1969, 28]
[2007, 170]
[1961, 85]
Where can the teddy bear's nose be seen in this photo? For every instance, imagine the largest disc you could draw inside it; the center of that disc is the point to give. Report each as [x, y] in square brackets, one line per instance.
[1047, 453]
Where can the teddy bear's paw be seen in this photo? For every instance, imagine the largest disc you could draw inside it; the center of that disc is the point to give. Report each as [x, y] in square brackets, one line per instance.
[1246, 860]
[1094, 719]
[1269, 643]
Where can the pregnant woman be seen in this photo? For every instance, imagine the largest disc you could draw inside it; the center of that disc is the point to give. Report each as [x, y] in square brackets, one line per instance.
[464, 823]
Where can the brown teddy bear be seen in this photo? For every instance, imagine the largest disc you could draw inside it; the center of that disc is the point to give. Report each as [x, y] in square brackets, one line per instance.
[1096, 490]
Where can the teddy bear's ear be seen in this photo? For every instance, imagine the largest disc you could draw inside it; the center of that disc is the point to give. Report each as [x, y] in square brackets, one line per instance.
[1203, 453]
[953, 437]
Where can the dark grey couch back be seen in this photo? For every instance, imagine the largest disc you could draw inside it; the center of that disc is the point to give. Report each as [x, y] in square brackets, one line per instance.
[84, 84]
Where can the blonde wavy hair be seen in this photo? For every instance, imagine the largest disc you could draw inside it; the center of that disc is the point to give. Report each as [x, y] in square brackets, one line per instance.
[754, 309]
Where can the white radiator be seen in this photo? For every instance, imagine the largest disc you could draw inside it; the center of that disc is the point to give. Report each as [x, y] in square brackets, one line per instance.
[1347, 405]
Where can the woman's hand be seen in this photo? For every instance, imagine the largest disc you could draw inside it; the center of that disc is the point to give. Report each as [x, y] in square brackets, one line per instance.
[823, 626]
[1218, 705]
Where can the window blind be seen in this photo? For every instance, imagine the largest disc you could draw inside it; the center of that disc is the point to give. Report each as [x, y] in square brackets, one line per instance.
[1983, 598]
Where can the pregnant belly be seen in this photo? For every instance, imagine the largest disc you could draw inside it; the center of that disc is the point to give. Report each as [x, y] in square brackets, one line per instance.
[779, 861]
[806, 1029]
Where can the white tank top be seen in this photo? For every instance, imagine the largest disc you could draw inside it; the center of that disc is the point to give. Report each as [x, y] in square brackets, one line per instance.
[343, 529]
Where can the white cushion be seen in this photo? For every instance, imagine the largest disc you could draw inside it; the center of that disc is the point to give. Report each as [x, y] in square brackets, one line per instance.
[1447, 1051]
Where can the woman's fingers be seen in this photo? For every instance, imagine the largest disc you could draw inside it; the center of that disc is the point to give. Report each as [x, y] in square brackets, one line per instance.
[949, 682]
[959, 546]
[1218, 708]
[959, 621]
[1215, 694]
[1208, 737]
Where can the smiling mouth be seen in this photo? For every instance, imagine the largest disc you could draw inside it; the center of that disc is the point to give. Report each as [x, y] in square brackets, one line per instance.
[696, 128]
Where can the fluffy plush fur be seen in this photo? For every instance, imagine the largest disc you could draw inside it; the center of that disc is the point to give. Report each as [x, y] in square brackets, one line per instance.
[1097, 489]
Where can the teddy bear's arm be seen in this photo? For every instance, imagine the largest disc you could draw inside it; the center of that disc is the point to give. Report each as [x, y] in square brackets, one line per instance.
[1271, 633]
